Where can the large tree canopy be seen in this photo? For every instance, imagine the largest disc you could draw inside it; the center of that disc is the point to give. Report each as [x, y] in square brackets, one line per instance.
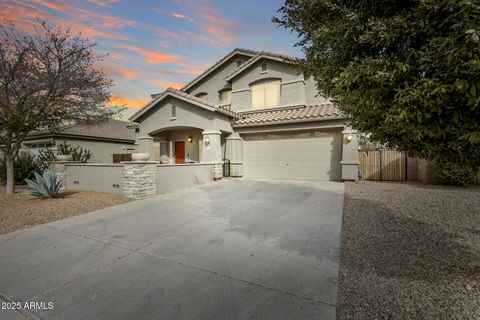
[46, 79]
[407, 71]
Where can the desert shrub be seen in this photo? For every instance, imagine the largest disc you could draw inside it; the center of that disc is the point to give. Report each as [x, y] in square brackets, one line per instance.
[452, 173]
[46, 185]
[23, 167]
[77, 153]
[45, 156]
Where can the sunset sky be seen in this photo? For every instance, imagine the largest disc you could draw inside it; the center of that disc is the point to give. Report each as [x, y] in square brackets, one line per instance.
[156, 44]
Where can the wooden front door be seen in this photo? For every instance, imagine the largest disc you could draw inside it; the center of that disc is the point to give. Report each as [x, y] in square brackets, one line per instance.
[179, 151]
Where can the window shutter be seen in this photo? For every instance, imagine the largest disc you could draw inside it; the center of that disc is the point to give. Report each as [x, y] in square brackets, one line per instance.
[272, 94]
[258, 96]
[266, 94]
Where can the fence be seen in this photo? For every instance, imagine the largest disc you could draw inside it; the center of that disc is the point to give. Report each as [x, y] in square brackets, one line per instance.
[383, 165]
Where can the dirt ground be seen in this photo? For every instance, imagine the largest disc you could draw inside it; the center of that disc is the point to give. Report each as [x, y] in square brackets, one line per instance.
[409, 251]
[19, 210]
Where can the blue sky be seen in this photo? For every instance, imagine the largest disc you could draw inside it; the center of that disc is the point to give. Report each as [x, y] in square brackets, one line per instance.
[156, 44]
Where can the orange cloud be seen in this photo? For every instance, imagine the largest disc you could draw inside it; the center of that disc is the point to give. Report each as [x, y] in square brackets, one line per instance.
[152, 56]
[103, 3]
[129, 102]
[210, 22]
[166, 84]
[90, 24]
[120, 71]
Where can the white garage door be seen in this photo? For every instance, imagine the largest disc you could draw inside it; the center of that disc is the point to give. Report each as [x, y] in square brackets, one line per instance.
[297, 156]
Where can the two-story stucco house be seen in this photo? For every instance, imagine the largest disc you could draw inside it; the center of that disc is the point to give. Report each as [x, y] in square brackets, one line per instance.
[257, 111]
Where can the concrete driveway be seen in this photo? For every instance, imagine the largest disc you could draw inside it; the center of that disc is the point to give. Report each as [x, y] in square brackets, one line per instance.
[233, 249]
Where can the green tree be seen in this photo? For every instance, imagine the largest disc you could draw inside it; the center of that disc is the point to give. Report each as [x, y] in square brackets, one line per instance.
[406, 71]
[46, 80]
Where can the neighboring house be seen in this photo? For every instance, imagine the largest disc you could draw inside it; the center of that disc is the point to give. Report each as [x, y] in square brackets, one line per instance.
[103, 140]
[257, 111]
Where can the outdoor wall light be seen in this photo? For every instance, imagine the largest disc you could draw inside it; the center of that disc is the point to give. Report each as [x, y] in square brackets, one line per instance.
[348, 138]
[207, 141]
[190, 139]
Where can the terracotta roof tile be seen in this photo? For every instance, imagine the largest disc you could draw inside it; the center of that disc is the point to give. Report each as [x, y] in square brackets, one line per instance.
[292, 114]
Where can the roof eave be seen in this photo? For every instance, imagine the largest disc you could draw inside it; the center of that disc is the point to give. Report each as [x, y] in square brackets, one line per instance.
[249, 64]
[215, 66]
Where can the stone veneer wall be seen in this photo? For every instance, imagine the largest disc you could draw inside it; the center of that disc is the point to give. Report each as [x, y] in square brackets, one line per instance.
[140, 179]
[217, 171]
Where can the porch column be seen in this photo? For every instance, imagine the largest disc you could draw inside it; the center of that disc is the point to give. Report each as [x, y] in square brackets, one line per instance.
[350, 154]
[145, 145]
[212, 151]
[234, 153]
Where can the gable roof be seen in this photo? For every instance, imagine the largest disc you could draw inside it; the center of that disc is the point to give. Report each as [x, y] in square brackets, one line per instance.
[110, 130]
[171, 92]
[302, 113]
[245, 52]
[257, 57]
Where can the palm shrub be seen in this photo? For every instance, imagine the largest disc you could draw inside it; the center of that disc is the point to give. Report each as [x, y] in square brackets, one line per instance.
[46, 185]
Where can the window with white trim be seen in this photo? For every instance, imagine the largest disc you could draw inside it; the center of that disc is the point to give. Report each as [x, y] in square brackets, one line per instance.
[265, 94]
[225, 96]
[173, 112]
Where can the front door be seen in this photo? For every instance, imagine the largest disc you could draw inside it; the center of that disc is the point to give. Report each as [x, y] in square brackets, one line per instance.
[179, 151]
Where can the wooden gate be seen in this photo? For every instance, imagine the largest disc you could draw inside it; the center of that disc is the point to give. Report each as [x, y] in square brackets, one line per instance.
[387, 165]
[119, 157]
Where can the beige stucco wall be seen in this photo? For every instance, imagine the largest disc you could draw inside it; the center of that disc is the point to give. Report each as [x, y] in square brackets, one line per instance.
[216, 81]
[292, 90]
[102, 151]
[175, 177]
[187, 115]
[95, 177]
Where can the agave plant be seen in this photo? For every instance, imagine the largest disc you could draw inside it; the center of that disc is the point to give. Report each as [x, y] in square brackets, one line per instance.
[44, 186]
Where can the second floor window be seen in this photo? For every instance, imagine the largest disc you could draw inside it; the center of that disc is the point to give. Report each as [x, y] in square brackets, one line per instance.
[225, 96]
[173, 112]
[265, 94]
[202, 95]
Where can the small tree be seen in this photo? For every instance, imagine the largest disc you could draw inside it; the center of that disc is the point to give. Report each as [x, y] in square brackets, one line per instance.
[407, 71]
[46, 79]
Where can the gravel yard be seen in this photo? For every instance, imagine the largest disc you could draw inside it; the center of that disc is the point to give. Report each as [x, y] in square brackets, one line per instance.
[18, 210]
[409, 251]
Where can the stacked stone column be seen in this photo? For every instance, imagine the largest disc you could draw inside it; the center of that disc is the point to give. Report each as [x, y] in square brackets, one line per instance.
[140, 179]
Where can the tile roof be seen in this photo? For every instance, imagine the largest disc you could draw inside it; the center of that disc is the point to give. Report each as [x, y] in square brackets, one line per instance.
[111, 129]
[301, 113]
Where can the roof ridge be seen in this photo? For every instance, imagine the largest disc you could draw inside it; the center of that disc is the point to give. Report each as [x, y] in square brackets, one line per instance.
[218, 63]
[255, 57]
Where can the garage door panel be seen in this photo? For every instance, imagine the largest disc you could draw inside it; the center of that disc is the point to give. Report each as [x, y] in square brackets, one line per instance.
[301, 156]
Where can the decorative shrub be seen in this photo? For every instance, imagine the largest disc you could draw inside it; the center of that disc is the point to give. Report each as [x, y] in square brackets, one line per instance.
[44, 186]
[77, 153]
[23, 167]
[45, 156]
[450, 173]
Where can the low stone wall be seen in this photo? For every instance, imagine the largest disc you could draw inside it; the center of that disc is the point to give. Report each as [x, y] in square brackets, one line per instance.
[175, 177]
[93, 177]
